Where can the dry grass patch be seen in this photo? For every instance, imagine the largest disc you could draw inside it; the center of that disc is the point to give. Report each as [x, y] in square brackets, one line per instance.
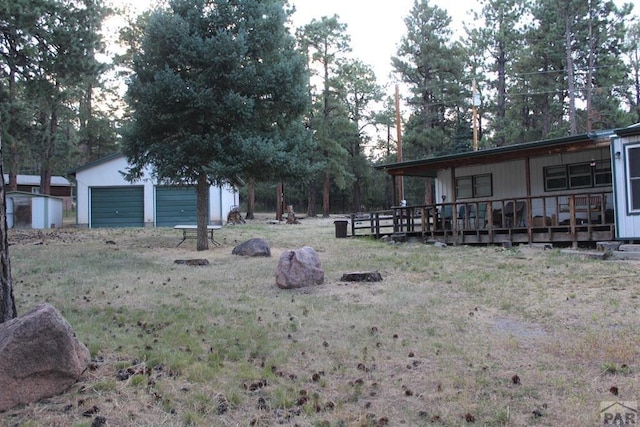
[451, 336]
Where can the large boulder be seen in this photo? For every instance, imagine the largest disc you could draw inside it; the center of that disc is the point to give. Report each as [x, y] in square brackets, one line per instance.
[299, 268]
[253, 247]
[40, 357]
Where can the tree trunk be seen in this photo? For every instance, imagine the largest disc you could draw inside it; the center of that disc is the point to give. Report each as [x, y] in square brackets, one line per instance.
[428, 191]
[202, 200]
[280, 201]
[573, 124]
[388, 192]
[326, 188]
[357, 196]
[7, 302]
[12, 145]
[45, 167]
[501, 108]
[311, 200]
[589, 82]
[251, 199]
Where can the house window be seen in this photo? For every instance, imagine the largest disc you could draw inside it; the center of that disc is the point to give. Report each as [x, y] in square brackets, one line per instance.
[555, 178]
[633, 176]
[577, 175]
[474, 186]
[602, 173]
[580, 176]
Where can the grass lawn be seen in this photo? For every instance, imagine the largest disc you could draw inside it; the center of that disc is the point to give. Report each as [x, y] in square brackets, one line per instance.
[452, 336]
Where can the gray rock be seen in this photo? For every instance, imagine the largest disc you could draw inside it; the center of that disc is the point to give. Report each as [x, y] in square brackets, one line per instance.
[299, 268]
[253, 247]
[40, 357]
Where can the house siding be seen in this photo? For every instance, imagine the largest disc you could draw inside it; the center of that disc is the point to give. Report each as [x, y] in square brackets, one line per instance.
[627, 224]
[509, 178]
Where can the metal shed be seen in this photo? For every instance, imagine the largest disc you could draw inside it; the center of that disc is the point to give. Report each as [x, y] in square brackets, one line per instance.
[28, 210]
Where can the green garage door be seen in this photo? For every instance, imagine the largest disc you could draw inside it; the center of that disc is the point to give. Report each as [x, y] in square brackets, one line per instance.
[117, 207]
[175, 205]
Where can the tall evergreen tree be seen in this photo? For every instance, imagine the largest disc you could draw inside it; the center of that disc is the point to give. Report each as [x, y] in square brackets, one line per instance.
[632, 50]
[217, 88]
[49, 49]
[592, 35]
[326, 41]
[356, 83]
[605, 76]
[431, 65]
[498, 35]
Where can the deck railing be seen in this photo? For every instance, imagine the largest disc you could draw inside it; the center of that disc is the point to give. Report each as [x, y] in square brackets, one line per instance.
[537, 217]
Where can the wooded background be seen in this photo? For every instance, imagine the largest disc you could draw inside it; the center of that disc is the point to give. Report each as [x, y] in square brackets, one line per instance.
[543, 69]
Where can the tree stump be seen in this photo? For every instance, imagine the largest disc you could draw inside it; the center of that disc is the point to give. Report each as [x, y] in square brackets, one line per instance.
[362, 276]
[196, 261]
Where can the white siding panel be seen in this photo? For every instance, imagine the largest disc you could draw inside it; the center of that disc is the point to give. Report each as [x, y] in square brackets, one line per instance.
[109, 174]
[508, 179]
[627, 226]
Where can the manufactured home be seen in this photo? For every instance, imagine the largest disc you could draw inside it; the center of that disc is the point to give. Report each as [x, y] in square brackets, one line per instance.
[572, 190]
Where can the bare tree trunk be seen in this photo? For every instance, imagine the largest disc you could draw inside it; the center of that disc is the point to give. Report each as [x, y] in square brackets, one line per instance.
[12, 145]
[280, 202]
[590, 112]
[573, 124]
[428, 191]
[7, 302]
[311, 200]
[501, 108]
[326, 189]
[202, 200]
[251, 199]
[45, 167]
[357, 196]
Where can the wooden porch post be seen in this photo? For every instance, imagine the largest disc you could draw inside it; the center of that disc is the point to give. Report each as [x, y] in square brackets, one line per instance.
[393, 189]
[572, 221]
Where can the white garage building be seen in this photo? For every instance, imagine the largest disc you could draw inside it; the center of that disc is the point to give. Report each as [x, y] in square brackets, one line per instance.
[105, 199]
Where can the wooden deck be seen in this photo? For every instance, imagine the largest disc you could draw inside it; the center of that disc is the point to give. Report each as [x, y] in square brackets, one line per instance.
[569, 219]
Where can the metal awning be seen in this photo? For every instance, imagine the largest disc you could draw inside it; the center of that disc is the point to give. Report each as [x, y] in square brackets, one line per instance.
[430, 166]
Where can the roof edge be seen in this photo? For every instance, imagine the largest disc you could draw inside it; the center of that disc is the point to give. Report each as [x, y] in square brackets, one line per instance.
[112, 156]
[499, 150]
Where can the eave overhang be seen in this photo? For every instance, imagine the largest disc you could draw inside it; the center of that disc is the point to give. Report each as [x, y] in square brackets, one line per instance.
[430, 166]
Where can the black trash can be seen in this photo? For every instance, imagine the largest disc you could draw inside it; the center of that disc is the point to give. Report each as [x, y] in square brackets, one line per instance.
[341, 228]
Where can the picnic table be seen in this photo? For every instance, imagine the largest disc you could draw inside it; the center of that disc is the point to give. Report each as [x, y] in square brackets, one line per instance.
[190, 231]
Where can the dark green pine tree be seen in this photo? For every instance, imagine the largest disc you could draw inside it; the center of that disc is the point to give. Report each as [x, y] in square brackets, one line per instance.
[431, 65]
[604, 81]
[632, 51]
[498, 35]
[325, 42]
[218, 90]
[358, 91]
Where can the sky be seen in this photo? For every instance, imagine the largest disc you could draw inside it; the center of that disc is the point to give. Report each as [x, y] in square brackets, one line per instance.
[375, 26]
